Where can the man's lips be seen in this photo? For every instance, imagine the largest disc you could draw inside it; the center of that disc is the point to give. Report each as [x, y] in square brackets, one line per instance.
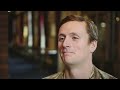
[67, 53]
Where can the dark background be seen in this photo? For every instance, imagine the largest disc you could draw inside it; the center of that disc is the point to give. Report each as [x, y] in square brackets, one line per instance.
[21, 61]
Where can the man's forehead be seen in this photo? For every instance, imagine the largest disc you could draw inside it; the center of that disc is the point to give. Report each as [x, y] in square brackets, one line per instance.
[72, 26]
[71, 23]
[71, 34]
[73, 30]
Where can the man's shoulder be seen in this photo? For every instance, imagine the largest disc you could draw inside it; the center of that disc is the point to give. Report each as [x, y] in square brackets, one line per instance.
[105, 75]
[57, 75]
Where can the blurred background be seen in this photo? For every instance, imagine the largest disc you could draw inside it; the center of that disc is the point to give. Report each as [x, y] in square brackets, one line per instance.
[28, 47]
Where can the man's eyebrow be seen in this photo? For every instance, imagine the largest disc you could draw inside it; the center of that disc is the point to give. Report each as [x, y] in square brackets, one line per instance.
[74, 34]
[61, 35]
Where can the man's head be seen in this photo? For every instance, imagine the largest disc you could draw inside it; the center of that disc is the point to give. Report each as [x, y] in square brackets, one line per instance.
[91, 27]
[77, 39]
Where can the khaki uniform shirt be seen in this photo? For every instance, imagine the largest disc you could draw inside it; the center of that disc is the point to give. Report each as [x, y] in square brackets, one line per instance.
[97, 74]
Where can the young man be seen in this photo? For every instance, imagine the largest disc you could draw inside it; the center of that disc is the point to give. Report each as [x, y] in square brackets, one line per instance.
[77, 40]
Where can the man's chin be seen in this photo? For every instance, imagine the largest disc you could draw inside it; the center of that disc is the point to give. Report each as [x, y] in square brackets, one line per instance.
[68, 60]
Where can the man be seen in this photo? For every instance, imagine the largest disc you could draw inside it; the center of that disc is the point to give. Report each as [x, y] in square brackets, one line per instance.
[77, 40]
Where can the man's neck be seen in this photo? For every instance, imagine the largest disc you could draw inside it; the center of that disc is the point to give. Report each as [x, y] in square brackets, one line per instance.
[79, 72]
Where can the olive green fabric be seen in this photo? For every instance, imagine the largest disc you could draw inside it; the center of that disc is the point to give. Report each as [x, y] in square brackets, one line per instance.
[97, 74]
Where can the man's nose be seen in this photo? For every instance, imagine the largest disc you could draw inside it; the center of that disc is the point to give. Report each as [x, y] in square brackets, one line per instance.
[66, 42]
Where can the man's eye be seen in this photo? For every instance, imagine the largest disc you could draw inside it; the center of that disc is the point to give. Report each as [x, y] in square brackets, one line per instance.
[74, 38]
[61, 39]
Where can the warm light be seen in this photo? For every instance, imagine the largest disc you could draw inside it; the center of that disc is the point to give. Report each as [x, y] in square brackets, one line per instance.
[25, 32]
[53, 28]
[30, 37]
[42, 51]
[43, 39]
[117, 19]
[103, 24]
[52, 52]
[30, 42]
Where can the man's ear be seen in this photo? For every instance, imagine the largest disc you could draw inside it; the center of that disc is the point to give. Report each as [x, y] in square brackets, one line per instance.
[93, 46]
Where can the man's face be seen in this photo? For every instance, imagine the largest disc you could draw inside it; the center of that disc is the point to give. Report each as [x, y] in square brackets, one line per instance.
[73, 43]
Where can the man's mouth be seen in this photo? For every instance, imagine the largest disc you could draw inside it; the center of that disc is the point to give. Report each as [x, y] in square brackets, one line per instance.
[67, 53]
